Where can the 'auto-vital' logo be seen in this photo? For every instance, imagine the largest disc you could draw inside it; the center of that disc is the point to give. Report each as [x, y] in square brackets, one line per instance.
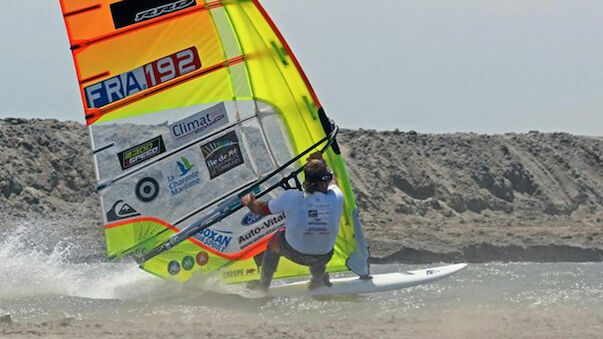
[261, 230]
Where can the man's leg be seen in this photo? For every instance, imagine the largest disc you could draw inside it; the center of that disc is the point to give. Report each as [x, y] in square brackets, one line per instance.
[270, 260]
[319, 275]
[318, 270]
[317, 263]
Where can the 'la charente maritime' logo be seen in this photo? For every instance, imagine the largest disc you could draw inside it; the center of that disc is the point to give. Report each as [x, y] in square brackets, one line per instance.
[182, 176]
[184, 166]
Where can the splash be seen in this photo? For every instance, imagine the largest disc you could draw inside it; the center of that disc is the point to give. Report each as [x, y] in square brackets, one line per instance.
[36, 261]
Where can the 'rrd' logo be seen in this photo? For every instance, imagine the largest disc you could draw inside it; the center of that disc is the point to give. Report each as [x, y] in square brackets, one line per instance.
[131, 12]
[142, 78]
[162, 10]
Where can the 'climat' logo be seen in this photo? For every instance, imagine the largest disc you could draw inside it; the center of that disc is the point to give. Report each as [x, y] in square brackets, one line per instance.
[199, 123]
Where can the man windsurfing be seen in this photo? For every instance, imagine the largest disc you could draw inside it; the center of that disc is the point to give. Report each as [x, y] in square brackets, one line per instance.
[312, 222]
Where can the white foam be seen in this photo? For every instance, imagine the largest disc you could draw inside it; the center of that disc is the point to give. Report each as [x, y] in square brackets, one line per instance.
[34, 263]
[36, 268]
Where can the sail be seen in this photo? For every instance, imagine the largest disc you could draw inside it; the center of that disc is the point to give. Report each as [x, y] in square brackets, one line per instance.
[189, 102]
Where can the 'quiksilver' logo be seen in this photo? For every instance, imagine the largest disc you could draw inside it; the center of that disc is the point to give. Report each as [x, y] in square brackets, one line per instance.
[120, 211]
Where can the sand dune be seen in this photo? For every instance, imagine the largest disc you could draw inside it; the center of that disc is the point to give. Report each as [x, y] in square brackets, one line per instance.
[422, 197]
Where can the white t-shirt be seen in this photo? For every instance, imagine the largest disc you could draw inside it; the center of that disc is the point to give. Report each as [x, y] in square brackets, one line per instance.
[312, 220]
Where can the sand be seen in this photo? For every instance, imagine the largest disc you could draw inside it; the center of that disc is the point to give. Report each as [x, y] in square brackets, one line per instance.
[554, 323]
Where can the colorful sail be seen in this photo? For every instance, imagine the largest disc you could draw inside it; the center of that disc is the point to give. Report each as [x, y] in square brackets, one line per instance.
[188, 103]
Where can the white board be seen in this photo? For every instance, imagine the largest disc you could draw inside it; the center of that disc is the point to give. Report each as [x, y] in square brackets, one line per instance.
[379, 283]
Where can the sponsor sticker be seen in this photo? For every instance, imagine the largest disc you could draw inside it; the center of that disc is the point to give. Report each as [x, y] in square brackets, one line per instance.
[147, 189]
[202, 258]
[250, 219]
[216, 239]
[130, 12]
[199, 124]
[140, 153]
[174, 267]
[260, 230]
[238, 273]
[188, 262]
[222, 154]
[181, 174]
[142, 78]
[121, 211]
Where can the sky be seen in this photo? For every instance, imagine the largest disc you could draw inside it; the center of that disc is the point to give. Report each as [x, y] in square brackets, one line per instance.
[434, 66]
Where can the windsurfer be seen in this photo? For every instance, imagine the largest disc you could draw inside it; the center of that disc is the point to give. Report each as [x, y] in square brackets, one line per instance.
[312, 223]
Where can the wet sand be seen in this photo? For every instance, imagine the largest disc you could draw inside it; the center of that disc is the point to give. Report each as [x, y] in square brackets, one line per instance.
[484, 301]
[553, 323]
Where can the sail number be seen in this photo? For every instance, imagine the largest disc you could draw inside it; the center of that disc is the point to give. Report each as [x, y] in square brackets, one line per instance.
[171, 67]
[142, 78]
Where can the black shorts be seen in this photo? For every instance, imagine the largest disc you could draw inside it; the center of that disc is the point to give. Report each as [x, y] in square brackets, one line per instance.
[298, 257]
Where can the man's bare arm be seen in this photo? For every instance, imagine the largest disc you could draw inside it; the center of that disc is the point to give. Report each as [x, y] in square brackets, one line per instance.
[255, 206]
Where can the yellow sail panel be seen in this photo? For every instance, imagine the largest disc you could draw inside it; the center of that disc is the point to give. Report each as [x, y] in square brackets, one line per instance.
[273, 75]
